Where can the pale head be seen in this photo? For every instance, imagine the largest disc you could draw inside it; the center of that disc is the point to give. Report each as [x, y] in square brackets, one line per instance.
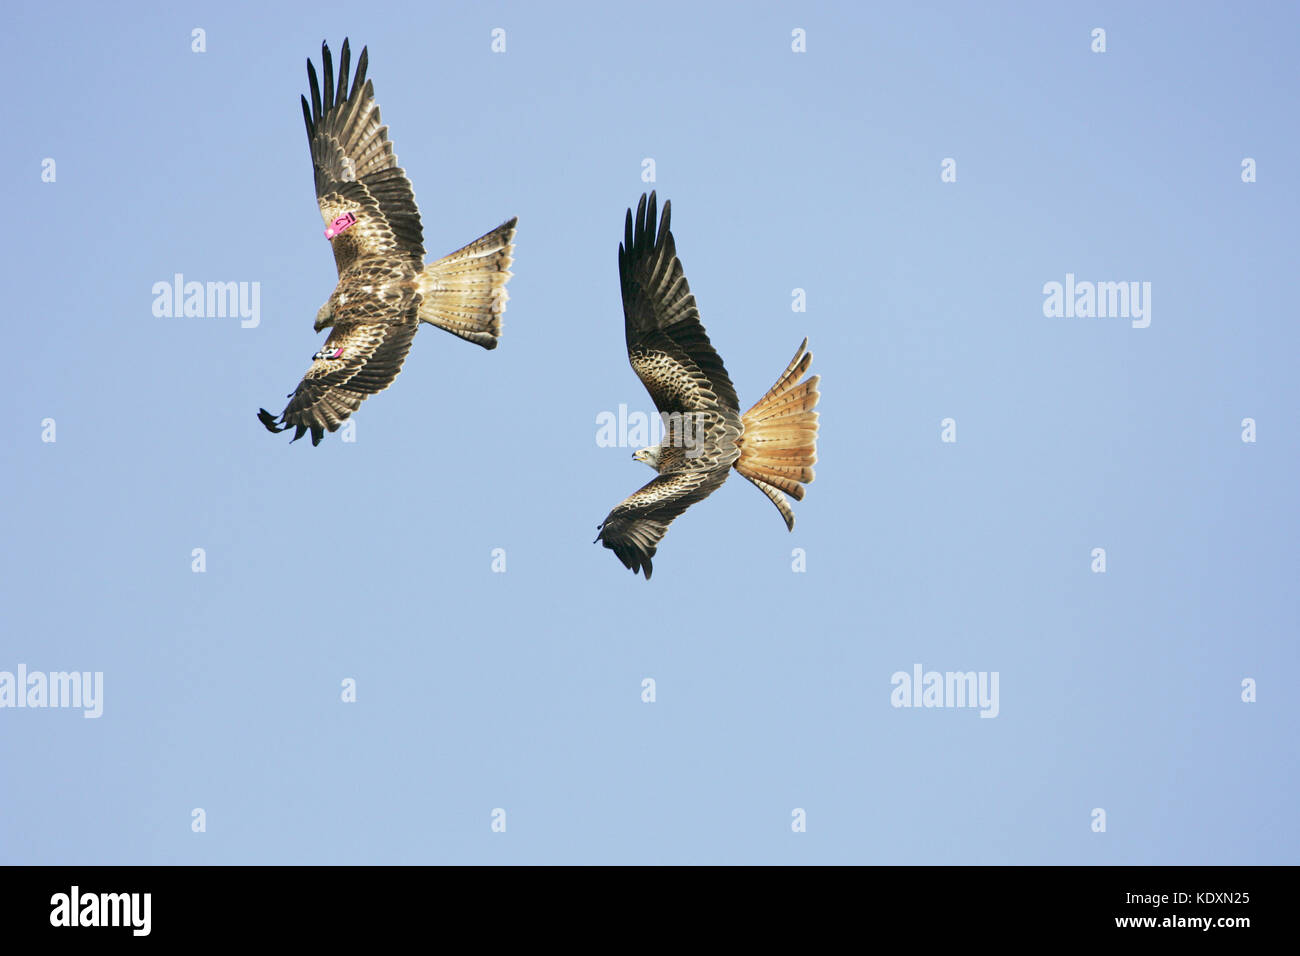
[648, 455]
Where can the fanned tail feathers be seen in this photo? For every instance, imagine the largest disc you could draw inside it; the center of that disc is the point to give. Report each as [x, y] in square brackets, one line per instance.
[779, 445]
[465, 292]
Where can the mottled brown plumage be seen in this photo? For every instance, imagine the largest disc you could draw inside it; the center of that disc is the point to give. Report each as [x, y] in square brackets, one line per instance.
[774, 444]
[384, 290]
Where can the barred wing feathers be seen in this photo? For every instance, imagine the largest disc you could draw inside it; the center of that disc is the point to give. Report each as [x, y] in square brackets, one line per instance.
[350, 145]
[357, 360]
[666, 343]
[634, 529]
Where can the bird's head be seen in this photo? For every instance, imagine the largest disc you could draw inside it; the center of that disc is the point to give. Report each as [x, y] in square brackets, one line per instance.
[325, 317]
[648, 455]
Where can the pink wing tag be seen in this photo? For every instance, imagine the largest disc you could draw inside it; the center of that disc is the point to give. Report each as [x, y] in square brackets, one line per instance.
[339, 224]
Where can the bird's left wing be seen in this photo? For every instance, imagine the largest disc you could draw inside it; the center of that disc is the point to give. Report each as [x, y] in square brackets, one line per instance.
[666, 342]
[634, 529]
[358, 359]
[350, 147]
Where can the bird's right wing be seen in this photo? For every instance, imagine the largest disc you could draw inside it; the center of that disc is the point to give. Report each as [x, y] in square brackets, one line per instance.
[350, 148]
[634, 529]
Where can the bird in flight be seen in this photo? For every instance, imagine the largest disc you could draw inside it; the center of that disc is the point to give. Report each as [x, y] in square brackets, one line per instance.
[385, 290]
[774, 444]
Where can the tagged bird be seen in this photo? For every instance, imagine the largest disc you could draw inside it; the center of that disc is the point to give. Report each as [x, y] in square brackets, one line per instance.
[385, 290]
[774, 444]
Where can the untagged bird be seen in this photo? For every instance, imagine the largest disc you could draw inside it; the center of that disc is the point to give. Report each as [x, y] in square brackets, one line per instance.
[385, 290]
[774, 444]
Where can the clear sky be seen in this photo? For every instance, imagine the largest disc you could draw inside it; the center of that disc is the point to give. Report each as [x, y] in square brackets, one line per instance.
[372, 561]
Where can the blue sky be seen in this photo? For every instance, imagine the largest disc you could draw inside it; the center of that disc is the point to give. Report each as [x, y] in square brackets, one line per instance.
[372, 560]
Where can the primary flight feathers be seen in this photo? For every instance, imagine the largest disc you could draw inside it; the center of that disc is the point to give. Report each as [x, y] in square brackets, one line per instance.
[774, 444]
[385, 290]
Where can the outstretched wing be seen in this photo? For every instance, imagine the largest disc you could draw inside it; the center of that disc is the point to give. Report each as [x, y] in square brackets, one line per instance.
[634, 529]
[666, 343]
[358, 359]
[350, 148]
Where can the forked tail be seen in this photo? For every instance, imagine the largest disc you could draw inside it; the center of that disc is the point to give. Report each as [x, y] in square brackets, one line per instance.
[465, 292]
[779, 445]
